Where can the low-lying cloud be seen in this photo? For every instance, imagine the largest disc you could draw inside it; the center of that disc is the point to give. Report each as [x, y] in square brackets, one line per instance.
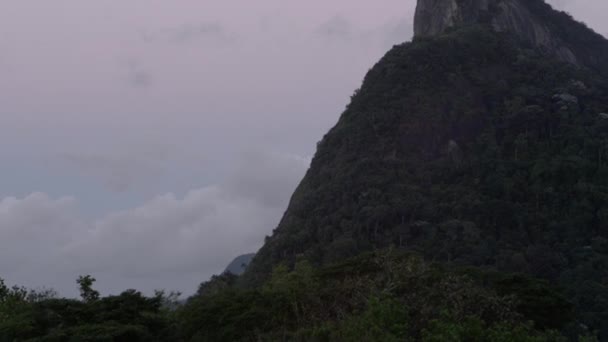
[118, 172]
[167, 242]
[188, 33]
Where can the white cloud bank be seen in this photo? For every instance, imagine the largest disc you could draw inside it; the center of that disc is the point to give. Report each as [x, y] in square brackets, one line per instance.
[167, 242]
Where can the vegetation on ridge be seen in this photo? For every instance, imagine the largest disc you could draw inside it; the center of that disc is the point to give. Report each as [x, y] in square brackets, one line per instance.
[383, 296]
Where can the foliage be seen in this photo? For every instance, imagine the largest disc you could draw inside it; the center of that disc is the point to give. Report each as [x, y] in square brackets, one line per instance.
[86, 288]
[473, 329]
[383, 296]
[39, 316]
[216, 284]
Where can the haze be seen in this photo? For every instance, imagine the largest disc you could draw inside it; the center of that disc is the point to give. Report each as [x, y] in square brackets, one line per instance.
[149, 142]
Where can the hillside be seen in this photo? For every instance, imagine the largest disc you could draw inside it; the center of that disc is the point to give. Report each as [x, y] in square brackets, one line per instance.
[469, 147]
[384, 296]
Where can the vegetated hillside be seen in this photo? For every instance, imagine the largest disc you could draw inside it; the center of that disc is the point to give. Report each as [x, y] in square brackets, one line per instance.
[384, 296]
[466, 148]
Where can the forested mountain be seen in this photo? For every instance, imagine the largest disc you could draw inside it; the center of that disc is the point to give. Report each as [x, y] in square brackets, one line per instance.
[470, 146]
[462, 196]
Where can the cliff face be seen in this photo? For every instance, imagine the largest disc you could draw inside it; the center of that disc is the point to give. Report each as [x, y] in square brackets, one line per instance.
[531, 20]
[433, 17]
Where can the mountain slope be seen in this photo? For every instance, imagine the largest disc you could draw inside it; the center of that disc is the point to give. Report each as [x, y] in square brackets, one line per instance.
[470, 148]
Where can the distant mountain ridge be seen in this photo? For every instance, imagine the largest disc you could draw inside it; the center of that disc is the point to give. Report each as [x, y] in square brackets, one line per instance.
[239, 264]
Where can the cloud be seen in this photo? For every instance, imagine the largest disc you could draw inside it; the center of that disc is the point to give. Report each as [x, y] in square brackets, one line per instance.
[34, 229]
[166, 242]
[140, 78]
[336, 26]
[393, 31]
[137, 75]
[256, 177]
[120, 171]
[188, 33]
[397, 31]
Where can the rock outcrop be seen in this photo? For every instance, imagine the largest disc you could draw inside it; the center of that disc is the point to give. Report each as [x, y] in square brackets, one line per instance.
[533, 21]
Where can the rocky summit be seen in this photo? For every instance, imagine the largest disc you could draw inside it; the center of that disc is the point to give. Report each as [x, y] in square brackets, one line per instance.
[533, 21]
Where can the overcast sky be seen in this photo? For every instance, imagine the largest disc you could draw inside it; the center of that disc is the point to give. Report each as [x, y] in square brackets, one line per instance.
[148, 142]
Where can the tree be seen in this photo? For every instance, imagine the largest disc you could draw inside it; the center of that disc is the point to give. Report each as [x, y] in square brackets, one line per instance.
[87, 293]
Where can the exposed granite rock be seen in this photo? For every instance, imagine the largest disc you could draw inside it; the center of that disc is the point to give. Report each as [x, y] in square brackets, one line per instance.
[579, 85]
[434, 17]
[454, 152]
[565, 98]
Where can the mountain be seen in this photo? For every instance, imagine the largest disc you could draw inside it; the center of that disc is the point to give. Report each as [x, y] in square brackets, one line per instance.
[482, 142]
[239, 264]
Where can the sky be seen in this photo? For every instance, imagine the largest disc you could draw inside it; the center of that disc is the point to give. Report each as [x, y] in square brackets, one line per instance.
[149, 142]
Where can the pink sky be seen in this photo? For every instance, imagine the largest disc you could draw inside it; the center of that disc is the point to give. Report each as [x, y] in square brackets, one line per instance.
[116, 111]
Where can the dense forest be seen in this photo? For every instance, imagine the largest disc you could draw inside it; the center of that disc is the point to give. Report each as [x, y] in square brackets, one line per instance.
[383, 296]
